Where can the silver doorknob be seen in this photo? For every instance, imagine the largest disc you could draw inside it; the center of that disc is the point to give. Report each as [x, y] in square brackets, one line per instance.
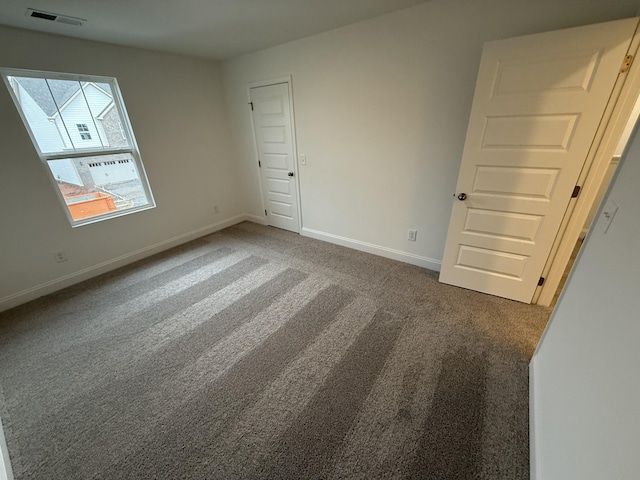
[462, 196]
[290, 174]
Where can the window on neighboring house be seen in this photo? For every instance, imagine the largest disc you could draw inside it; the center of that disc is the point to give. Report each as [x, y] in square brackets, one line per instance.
[80, 129]
[84, 131]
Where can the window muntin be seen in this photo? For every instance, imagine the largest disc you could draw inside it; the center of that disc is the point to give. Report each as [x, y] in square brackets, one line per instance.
[81, 132]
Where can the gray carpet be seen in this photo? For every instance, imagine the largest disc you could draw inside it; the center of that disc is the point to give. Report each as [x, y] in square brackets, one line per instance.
[255, 353]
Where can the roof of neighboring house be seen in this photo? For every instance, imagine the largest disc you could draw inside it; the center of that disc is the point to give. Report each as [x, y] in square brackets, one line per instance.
[41, 93]
[62, 90]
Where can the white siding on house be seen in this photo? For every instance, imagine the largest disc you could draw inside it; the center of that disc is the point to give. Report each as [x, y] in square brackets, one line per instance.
[64, 171]
[97, 98]
[45, 130]
[77, 111]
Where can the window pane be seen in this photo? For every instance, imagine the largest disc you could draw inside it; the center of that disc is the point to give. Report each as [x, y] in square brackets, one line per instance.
[55, 110]
[38, 107]
[98, 185]
[75, 121]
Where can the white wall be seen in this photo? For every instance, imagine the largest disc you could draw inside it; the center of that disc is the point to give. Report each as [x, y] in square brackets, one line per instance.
[624, 139]
[381, 113]
[381, 110]
[177, 111]
[586, 385]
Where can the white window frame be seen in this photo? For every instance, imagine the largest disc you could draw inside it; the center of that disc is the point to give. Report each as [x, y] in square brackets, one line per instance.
[132, 149]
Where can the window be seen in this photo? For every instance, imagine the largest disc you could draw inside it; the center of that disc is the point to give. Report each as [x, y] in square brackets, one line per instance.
[81, 132]
[84, 131]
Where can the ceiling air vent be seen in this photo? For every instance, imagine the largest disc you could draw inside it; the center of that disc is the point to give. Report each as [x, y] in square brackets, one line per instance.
[54, 17]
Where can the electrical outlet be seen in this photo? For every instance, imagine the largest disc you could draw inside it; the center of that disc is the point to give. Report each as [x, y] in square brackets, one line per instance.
[411, 235]
[60, 256]
[216, 209]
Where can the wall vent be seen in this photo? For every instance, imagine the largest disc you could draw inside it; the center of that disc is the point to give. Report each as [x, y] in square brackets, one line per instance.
[54, 17]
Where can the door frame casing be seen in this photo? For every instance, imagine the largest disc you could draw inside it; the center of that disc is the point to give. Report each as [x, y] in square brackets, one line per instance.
[6, 472]
[616, 115]
[288, 79]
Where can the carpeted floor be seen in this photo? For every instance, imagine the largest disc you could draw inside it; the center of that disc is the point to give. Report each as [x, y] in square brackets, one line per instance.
[257, 353]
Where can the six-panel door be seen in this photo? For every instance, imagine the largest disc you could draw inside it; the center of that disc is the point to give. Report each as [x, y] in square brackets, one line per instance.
[538, 102]
[274, 138]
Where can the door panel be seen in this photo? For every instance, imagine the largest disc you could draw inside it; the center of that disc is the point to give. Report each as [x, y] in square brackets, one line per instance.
[546, 132]
[538, 102]
[508, 225]
[551, 73]
[274, 138]
[515, 182]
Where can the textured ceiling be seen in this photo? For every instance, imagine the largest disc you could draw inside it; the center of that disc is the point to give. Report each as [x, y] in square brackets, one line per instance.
[217, 29]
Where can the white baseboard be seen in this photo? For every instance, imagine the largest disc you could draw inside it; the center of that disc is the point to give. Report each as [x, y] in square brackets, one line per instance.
[256, 219]
[103, 267]
[399, 255]
[5, 465]
[534, 438]
[59, 283]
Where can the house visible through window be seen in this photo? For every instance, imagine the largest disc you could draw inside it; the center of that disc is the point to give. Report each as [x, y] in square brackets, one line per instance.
[84, 131]
[80, 129]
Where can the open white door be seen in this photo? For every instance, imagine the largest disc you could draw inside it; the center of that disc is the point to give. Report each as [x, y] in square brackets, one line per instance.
[538, 102]
[273, 127]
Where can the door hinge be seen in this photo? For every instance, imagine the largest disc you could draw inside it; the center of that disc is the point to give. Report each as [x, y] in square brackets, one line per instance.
[626, 64]
[251, 103]
[541, 281]
[259, 164]
[265, 212]
[576, 191]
